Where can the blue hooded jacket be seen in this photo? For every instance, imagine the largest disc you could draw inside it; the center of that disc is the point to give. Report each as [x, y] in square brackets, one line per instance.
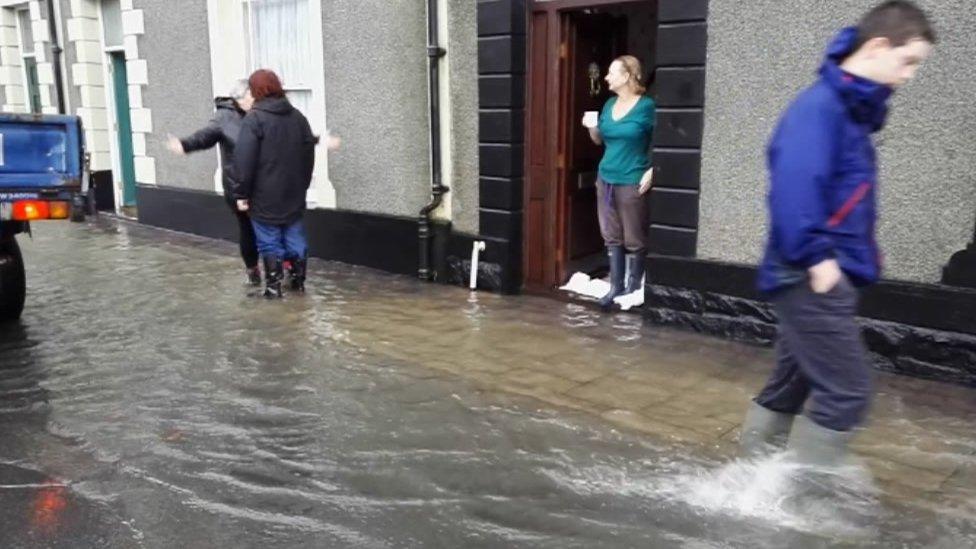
[823, 177]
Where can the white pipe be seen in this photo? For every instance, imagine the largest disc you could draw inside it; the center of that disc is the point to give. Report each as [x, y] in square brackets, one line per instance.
[476, 249]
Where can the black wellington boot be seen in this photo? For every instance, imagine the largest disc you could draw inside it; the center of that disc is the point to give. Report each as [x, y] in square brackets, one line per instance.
[616, 254]
[298, 269]
[272, 277]
[252, 276]
[635, 272]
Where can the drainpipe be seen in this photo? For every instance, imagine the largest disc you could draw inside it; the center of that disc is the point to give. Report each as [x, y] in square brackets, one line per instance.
[56, 52]
[437, 190]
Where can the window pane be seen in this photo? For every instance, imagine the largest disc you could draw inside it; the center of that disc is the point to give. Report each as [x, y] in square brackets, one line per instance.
[33, 87]
[282, 39]
[300, 99]
[26, 32]
[112, 21]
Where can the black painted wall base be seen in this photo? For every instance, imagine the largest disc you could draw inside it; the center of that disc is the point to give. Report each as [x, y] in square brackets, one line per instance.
[388, 243]
[961, 270]
[922, 330]
[104, 191]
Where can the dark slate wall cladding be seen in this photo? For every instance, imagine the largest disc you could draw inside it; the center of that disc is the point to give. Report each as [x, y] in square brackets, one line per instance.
[678, 168]
[683, 10]
[680, 86]
[895, 347]
[675, 207]
[682, 38]
[501, 89]
[931, 306]
[920, 330]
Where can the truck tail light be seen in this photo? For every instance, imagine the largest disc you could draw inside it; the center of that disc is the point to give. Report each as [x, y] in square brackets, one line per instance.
[59, 210]
[29, 210]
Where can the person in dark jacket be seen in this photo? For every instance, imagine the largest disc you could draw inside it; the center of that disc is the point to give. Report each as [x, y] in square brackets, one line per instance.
[274, 161]
[223, 130]
[822, 245]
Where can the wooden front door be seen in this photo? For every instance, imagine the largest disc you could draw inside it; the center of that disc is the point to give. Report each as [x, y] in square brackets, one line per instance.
[561, 160]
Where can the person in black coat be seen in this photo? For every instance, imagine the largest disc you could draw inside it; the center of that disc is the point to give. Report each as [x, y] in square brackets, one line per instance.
[223, 130]
[274, 160]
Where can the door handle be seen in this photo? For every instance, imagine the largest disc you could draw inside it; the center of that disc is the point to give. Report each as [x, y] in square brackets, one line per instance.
[594, 73]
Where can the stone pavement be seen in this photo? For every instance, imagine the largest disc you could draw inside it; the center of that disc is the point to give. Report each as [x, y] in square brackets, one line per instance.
[686, 388]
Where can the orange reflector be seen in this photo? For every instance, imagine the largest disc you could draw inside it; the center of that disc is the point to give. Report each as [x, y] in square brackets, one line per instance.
[29, 210]
[60, 210]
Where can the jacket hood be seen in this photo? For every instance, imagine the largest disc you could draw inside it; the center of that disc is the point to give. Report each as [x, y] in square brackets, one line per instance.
[866, 100]
[274, 105]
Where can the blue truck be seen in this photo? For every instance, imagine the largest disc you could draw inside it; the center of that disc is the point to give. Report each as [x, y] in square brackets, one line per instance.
[43, 176]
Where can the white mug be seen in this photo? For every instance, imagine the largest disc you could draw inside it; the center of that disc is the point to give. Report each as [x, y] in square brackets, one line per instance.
[591, 119]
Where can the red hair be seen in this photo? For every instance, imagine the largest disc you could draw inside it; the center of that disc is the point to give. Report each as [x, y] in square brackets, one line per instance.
[265, 83]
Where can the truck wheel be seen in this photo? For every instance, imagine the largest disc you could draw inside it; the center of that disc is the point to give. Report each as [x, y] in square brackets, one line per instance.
[13, 280]
[78, 208]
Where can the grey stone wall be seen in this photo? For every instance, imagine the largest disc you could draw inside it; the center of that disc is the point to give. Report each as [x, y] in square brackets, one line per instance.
[762, 52]
[376, 100]
[176, 47]
[462, 50]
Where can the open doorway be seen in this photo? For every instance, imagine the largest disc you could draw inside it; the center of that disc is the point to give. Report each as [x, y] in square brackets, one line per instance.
[122, 128]
[120, 117]
[571, 45]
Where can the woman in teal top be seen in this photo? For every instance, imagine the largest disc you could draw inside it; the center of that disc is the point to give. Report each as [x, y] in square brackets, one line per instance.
[625, 128]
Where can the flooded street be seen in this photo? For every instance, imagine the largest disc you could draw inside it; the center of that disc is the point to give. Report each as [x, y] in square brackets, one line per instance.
[147, 401]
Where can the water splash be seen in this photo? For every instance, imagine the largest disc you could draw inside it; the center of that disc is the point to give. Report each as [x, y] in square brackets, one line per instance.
[841, 502]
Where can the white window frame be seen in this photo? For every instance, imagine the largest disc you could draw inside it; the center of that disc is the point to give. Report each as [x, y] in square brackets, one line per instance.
[230, 35]
[251, 54]
[24, 56]
[111, 111]
[62, 39]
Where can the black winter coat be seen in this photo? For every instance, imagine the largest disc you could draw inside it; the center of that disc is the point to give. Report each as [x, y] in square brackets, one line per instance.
[223, 129]
[274, 160]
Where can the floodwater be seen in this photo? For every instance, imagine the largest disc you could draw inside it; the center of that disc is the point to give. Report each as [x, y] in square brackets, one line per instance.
[147, 401]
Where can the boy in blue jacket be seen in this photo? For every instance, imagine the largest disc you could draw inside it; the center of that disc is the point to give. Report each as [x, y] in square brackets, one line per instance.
[821, 245]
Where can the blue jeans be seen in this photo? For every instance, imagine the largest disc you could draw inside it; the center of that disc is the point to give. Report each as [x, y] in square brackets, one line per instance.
[281, 241]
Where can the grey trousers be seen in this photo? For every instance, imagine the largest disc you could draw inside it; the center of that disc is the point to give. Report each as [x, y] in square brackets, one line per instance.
[820, 358]
[622, 212]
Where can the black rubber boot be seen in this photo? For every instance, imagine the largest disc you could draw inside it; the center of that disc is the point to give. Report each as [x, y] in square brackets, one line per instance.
[272, 277]
[298, 268]
[252, 276]
[635, 272]
[616, 254]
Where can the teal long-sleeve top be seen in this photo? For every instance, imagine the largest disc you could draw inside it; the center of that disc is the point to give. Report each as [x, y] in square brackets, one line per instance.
[626, 141]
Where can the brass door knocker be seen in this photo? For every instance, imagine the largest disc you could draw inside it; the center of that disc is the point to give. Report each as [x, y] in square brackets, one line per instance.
[595, 86]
